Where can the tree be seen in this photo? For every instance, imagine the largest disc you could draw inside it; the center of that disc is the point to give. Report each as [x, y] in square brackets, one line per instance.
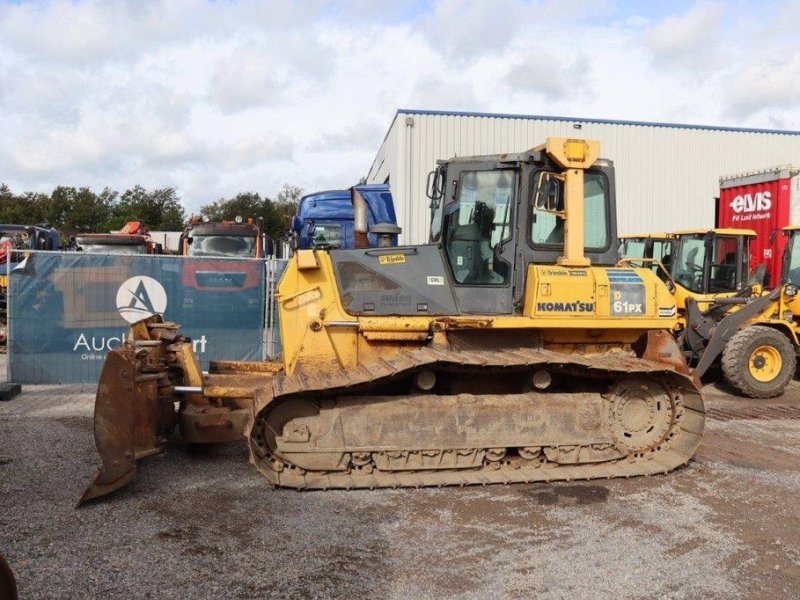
[82, 210]
[160, 209]
[277, 214]
[243, 204]
[282, 211]
[11, 209]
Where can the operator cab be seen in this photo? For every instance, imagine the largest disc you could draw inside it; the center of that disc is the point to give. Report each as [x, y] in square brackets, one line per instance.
[713, 261]
[791, 257]
[656, 246]
[495, 216]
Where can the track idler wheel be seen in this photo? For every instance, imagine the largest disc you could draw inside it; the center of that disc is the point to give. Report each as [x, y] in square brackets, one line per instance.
[641, 415]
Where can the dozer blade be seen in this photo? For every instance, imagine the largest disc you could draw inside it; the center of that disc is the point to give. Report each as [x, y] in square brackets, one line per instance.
[132, 413]
[135, 403]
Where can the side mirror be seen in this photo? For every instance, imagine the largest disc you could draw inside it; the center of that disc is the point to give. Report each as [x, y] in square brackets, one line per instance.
[312, 227]
[189, 240]
[159, 249]
[549, 195]
[434, 188]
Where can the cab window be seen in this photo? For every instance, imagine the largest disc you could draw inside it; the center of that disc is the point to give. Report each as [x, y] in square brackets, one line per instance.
[548, 230]
[632, 248]
[723, 265]
[477, 224]
[688, 266]
[793, 258]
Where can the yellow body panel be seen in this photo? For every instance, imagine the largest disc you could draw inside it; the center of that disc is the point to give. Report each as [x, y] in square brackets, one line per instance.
[563, 305]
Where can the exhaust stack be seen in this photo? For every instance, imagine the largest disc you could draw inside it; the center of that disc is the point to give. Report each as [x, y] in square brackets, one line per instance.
[359, 219]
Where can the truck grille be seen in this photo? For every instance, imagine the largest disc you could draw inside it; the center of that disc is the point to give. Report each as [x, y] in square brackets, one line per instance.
[216, 279]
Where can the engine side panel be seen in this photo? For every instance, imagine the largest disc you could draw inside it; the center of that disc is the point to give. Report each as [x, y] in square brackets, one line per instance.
[405, 281]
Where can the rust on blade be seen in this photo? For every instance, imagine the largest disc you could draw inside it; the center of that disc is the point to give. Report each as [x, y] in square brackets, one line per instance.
[243, 366]
[125, 422]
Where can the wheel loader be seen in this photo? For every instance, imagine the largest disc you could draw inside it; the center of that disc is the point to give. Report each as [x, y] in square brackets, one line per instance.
[510, 349]
[654, 246]
[724, 316]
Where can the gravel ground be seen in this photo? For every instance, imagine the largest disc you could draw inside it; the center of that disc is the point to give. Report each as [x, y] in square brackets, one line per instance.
[203, 523]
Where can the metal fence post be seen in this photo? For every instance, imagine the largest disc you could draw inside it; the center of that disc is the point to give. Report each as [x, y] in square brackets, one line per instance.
[265, 313]
[270, 308]
[8, 315]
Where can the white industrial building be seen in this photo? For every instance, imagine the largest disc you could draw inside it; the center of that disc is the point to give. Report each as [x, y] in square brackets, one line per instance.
[667, 175]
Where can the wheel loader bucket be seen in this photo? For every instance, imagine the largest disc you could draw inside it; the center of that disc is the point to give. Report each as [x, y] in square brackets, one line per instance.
[133, 410]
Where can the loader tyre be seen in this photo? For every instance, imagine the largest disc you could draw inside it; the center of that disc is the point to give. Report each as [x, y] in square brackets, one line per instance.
[759, 362]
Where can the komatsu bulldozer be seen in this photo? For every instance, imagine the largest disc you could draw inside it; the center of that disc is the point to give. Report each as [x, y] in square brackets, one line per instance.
[725, 318]
[510, 349]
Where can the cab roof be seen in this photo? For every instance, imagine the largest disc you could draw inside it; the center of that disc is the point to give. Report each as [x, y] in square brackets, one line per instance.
[646, 236]
[720, 231]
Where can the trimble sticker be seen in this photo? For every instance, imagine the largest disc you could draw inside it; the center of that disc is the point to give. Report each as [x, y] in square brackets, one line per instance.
[392, 259]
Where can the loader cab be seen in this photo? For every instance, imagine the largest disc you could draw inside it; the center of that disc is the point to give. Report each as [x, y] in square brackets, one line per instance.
[711, 263]
[790, 274]
[791, 256]
[493, 216]
[656, 246]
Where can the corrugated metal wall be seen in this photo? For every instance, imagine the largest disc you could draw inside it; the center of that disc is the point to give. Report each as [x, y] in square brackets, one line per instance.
[667, 177]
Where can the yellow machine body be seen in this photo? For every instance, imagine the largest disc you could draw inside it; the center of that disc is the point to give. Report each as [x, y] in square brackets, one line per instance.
[484, 357]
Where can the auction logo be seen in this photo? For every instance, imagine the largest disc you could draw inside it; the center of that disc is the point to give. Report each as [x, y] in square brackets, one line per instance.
[141, 297]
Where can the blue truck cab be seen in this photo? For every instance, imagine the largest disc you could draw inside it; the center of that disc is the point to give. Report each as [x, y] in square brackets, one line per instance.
[325, 220]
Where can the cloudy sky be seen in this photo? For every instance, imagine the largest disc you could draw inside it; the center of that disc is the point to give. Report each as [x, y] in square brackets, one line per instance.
[216, 97]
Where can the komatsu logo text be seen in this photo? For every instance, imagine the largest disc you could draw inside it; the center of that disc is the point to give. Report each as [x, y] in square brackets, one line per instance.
[583, 307]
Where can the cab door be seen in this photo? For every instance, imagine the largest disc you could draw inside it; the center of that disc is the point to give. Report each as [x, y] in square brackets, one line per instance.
[478, 236]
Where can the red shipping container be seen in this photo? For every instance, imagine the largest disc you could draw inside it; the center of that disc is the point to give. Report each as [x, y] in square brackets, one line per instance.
[764, 201]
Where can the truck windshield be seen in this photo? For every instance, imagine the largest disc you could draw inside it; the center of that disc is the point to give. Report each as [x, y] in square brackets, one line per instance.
[327, 235]
[223, 245]
[113, 248]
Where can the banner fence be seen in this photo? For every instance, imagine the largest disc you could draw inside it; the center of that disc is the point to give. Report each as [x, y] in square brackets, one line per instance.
[66, 310]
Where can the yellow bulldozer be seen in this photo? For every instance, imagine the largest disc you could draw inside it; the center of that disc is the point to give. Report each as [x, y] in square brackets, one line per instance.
[512, 348]
[725, 318]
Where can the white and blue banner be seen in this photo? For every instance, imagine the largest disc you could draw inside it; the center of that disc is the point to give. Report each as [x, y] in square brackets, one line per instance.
[68, 309]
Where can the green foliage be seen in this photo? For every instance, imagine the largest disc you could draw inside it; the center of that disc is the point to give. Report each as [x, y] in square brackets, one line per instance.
[277, 214]
[160, 209]
[80, 210]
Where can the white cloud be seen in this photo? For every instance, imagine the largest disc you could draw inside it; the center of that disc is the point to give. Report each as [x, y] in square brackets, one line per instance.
[221, 97]
[687, 40]
[548, 75]
[244, 79]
